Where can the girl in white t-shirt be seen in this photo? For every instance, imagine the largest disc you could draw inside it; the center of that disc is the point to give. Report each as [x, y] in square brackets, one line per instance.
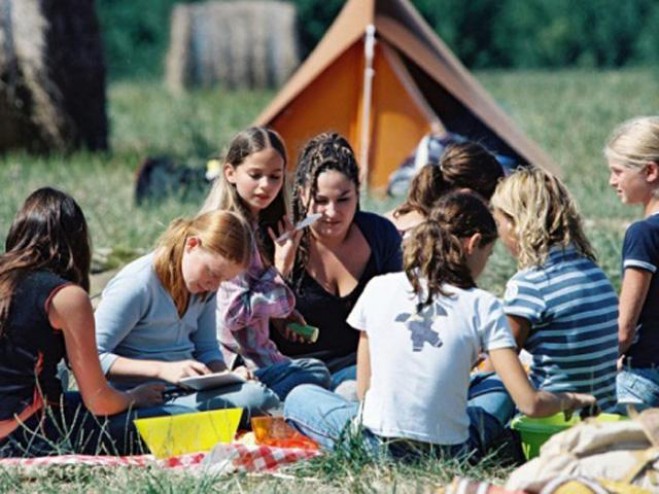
[421, 331]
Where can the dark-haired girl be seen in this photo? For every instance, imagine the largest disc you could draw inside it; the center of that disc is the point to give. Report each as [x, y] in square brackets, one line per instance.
[46, 316]
[251, 184]
[329, 263]
[465, 165]
[420, 332]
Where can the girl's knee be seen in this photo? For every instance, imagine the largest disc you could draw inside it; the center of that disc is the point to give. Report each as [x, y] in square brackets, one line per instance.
[303, 396]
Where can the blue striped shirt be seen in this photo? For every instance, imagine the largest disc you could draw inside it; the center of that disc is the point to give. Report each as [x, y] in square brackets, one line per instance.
[573, 313]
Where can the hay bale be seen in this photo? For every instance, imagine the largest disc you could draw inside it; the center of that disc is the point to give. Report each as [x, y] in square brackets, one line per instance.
[52, 95]
[242, 44]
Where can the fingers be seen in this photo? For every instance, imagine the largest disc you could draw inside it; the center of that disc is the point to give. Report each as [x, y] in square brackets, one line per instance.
[245, 373]
[295, 316]
[197, 368]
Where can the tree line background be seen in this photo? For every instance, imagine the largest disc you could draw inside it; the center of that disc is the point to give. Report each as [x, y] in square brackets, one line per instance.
[482, 33]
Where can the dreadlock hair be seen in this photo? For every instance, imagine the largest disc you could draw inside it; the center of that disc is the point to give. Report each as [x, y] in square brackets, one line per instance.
[433, 250]
[223, 195]
[543, 215]
[48, 233]
[221, 232]
[324, 152]
[464, 165]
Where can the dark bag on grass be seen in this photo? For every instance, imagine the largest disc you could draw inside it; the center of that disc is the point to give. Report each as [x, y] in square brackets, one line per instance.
[160, 177]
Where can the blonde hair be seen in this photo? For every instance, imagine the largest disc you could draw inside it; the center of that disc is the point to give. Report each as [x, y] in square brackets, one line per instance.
[635, 143]
[543, 214]
[221, 232]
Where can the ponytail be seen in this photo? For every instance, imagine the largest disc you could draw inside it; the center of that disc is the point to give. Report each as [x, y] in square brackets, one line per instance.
[427, 186]
[433, 251]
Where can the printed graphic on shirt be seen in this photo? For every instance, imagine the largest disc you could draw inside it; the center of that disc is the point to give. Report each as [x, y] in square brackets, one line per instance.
[420, 327]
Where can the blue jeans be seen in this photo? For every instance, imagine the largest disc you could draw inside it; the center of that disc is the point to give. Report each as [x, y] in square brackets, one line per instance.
[282, 378]
[253, 397]
[490, 406]
[329, 419]
[342, 375]
[638, 387]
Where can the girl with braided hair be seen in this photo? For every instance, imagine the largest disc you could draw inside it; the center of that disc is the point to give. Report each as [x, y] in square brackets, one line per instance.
[329, 263]
[420, 332]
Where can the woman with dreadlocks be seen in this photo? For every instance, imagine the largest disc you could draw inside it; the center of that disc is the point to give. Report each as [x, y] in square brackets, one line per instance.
[329, 263]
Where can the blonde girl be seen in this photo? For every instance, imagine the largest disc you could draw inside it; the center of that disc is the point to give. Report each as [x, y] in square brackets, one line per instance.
[420, 332]
[252, 184]
[156, 320]
[560, 305]
[632, 153]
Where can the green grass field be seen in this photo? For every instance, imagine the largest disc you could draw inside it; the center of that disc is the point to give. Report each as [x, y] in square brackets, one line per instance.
[568, 113]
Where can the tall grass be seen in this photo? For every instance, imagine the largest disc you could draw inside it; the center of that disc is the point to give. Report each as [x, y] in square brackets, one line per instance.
[568, 113]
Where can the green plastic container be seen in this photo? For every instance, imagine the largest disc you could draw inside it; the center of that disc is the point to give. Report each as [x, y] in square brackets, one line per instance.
[535, 432]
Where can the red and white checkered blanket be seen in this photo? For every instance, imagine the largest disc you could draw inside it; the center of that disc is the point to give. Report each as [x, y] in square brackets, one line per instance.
[223, 458]
[246, 458]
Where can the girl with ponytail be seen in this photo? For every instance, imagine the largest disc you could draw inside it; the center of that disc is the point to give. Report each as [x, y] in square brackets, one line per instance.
[420, 333]
[156, 320]
[463, 166]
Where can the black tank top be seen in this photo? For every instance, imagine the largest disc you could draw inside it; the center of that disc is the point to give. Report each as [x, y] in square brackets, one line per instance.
[31, 348]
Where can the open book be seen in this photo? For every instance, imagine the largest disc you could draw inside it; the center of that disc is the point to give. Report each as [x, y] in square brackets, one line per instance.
[210, 381]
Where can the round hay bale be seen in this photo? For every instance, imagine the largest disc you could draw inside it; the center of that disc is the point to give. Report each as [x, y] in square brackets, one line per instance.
[241, 44]
[52, 96]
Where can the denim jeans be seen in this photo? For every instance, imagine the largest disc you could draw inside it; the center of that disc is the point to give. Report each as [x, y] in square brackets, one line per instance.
[489, 405]
[282, 378]
[340, 376]
[329, 419]
[638, 387]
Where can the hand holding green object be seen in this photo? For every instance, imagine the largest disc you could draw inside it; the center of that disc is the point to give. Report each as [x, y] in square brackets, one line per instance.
[310, 333]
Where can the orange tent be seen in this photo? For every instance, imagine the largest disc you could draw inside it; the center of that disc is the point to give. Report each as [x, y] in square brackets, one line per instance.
[382, 77]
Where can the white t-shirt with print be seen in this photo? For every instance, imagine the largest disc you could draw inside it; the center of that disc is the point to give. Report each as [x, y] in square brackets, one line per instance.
[420, 364]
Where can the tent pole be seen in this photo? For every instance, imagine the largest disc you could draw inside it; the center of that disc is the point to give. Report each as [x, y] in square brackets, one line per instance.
[369, 73]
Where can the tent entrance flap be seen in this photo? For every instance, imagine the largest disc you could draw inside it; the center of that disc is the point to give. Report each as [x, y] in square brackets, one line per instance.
[400, 117]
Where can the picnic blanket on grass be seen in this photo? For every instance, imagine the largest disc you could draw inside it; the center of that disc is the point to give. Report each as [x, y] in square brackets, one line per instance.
[223, 458]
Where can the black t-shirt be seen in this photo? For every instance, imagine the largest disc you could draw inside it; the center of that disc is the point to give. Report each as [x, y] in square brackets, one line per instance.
[641, 251]
[31, 348]
[329, 311]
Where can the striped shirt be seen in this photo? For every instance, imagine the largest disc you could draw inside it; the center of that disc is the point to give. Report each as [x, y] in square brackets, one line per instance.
[573, 313]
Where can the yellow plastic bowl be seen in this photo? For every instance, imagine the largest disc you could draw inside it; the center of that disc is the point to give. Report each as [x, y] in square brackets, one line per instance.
[535, 432]
[188, 433]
